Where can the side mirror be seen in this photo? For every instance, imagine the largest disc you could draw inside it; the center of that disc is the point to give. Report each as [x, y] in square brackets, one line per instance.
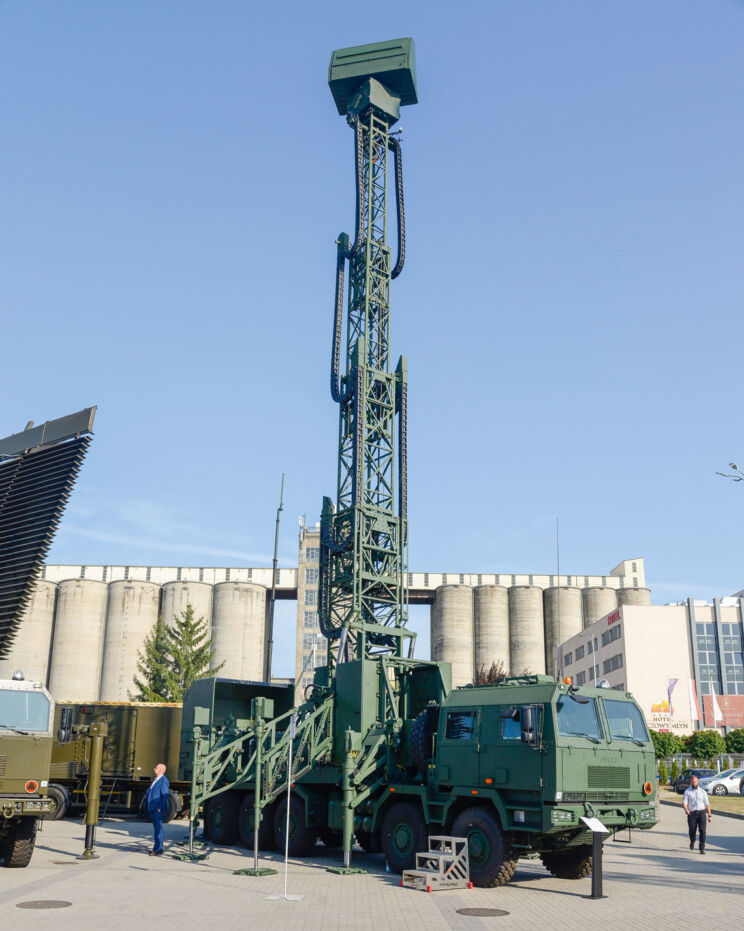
[527, 724]
[65, 725]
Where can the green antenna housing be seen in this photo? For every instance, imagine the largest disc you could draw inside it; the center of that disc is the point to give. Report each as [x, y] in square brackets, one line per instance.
[391, 63]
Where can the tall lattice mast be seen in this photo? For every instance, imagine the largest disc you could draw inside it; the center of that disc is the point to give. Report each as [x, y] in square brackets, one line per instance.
[363, 597]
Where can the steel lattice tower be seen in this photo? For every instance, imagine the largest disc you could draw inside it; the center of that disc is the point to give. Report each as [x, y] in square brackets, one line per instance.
[363, 596]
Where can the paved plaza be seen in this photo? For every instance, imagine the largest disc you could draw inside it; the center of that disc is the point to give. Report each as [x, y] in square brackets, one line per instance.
[655, 881]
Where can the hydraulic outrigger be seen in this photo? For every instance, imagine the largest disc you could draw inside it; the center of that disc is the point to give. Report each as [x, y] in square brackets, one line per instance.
[347, 733]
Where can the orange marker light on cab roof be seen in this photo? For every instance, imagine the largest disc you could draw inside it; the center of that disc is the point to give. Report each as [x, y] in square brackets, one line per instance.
[567, 680]
[488, 780]
[473, 791]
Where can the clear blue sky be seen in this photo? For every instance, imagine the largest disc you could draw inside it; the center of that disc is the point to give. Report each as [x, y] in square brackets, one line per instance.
[174, 175]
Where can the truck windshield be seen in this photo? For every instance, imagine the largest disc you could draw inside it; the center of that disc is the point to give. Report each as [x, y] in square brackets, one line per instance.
[578, 719]
[626, 721]
[24, 711]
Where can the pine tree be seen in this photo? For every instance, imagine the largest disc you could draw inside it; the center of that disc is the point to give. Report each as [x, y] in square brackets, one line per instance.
[153, 663]
[190, 647]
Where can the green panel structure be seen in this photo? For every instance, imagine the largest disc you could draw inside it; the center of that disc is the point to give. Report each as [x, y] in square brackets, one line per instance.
[363, 592]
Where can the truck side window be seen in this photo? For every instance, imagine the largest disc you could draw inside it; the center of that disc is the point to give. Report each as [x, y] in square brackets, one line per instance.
[460, 725]
[510, 729]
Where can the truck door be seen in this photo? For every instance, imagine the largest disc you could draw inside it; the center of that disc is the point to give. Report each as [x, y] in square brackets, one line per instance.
[458, 748]
[504, 759]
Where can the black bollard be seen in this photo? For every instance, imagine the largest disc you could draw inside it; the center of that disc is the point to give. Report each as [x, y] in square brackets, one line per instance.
[596, 866]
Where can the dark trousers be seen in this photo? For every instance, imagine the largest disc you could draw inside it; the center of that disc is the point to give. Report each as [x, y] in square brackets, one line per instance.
[697, 821]
[157, 824]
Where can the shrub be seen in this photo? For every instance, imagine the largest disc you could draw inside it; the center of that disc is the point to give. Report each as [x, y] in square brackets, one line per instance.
[735, 741]
[663, 778]
[675, 771]
[707, 744]
[665, 745]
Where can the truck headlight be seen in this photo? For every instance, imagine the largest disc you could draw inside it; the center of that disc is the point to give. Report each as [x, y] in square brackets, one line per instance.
[33, 806]
[647, 814]
[561, 816]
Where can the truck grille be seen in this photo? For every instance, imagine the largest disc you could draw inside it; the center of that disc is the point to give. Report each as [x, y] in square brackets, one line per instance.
[608, 777]
[3, 763]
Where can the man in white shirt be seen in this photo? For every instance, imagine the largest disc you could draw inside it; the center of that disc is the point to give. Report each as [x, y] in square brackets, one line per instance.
[695, 801]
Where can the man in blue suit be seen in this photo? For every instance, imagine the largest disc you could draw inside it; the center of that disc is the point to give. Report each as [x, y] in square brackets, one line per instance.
[157, 805]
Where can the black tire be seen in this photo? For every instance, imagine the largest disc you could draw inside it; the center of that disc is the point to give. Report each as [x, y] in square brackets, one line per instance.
[301, 838]
[265, 827]
[19, 843]
[720, 790]
[420, 740]
[175, 804]
[572, 863]
[492, 862]
[403, 835]
[61, 799]
[221, 818]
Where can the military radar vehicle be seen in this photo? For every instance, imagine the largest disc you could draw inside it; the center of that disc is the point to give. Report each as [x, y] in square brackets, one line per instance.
[382, 749]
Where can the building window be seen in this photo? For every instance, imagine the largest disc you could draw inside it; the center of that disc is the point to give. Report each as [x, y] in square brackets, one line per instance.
[567, 659]
[514, 580]
[311, 596]
[531, 580]
[635, 569]
[312, 554]
[595, 645]
[311, 619]
[613, 663]
[589, 648]
[426, 580]
[311, 576]
[580, 678]
[462, 579]
[444, 578]
[591, 673]
[609, 635]
[620, 687]
[579, 652]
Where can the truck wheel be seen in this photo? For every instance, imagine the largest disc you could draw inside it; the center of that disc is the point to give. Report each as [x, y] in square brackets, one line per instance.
[221, 818]
[19, 843]
[492, 863]
[403, 835]
[61, 799]
[301, 838]
[265, 827]
[420, 741]
[572, 863]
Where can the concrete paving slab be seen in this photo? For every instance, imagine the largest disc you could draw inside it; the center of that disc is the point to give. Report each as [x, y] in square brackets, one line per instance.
[653, 881]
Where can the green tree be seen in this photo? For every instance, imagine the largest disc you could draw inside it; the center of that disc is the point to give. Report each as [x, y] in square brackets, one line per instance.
[174, 657]
[707, 744]
[665, 745]
[735, 741]
[190, 647]
[663, 778]
[675, 772]
[153, 664]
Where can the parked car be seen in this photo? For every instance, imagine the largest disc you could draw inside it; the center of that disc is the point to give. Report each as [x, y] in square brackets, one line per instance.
[682, 781]
[725, 783]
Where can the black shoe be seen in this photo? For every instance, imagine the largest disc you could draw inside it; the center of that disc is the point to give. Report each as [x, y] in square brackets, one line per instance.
[692, 845]
[702, 850]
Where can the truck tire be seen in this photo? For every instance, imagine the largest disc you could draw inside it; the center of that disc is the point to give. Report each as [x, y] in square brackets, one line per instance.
[572, 863]
[19, 843]
[301, 838]
[420, 740]
[403, 835]
[175, 804]
[62, 800]
[265, 827]
[492, 863]
[221, 818]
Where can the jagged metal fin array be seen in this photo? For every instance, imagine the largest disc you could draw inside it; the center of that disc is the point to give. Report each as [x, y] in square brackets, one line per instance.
[34, 489]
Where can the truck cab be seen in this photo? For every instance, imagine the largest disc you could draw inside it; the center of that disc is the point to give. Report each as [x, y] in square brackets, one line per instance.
[26, 721]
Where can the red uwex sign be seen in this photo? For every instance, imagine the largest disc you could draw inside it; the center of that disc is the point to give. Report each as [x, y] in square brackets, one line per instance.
[615, 616]
[732, 709]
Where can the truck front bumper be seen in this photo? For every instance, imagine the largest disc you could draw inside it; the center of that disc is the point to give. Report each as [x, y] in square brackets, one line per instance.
[22, 806]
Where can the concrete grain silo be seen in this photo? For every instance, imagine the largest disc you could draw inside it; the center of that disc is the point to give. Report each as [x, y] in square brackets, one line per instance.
[75, 672]
[239, 629]
[597, 601]
[491, 613]
[131, 615]
[452, 630]
[633, 596]
[563, 618]
[30, 649]
[526, 631]
[177, 595]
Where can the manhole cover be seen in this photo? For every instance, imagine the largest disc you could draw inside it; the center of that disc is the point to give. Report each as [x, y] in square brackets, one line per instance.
[482, 912]
[44, 903]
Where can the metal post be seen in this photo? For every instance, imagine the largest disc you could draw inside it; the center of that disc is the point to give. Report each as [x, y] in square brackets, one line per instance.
[270, 625]
[597, 866]
[289, 787]
[347, 797]
[257, 788]
[96, 734]
[191, 837]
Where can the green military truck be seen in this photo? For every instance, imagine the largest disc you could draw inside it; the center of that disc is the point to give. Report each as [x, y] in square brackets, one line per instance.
[26, 718]
[140, 734]
[388, 752]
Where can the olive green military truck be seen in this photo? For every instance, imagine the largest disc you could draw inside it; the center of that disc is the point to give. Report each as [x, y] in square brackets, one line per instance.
[139, 735]
[387, 752]
[26, 718]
